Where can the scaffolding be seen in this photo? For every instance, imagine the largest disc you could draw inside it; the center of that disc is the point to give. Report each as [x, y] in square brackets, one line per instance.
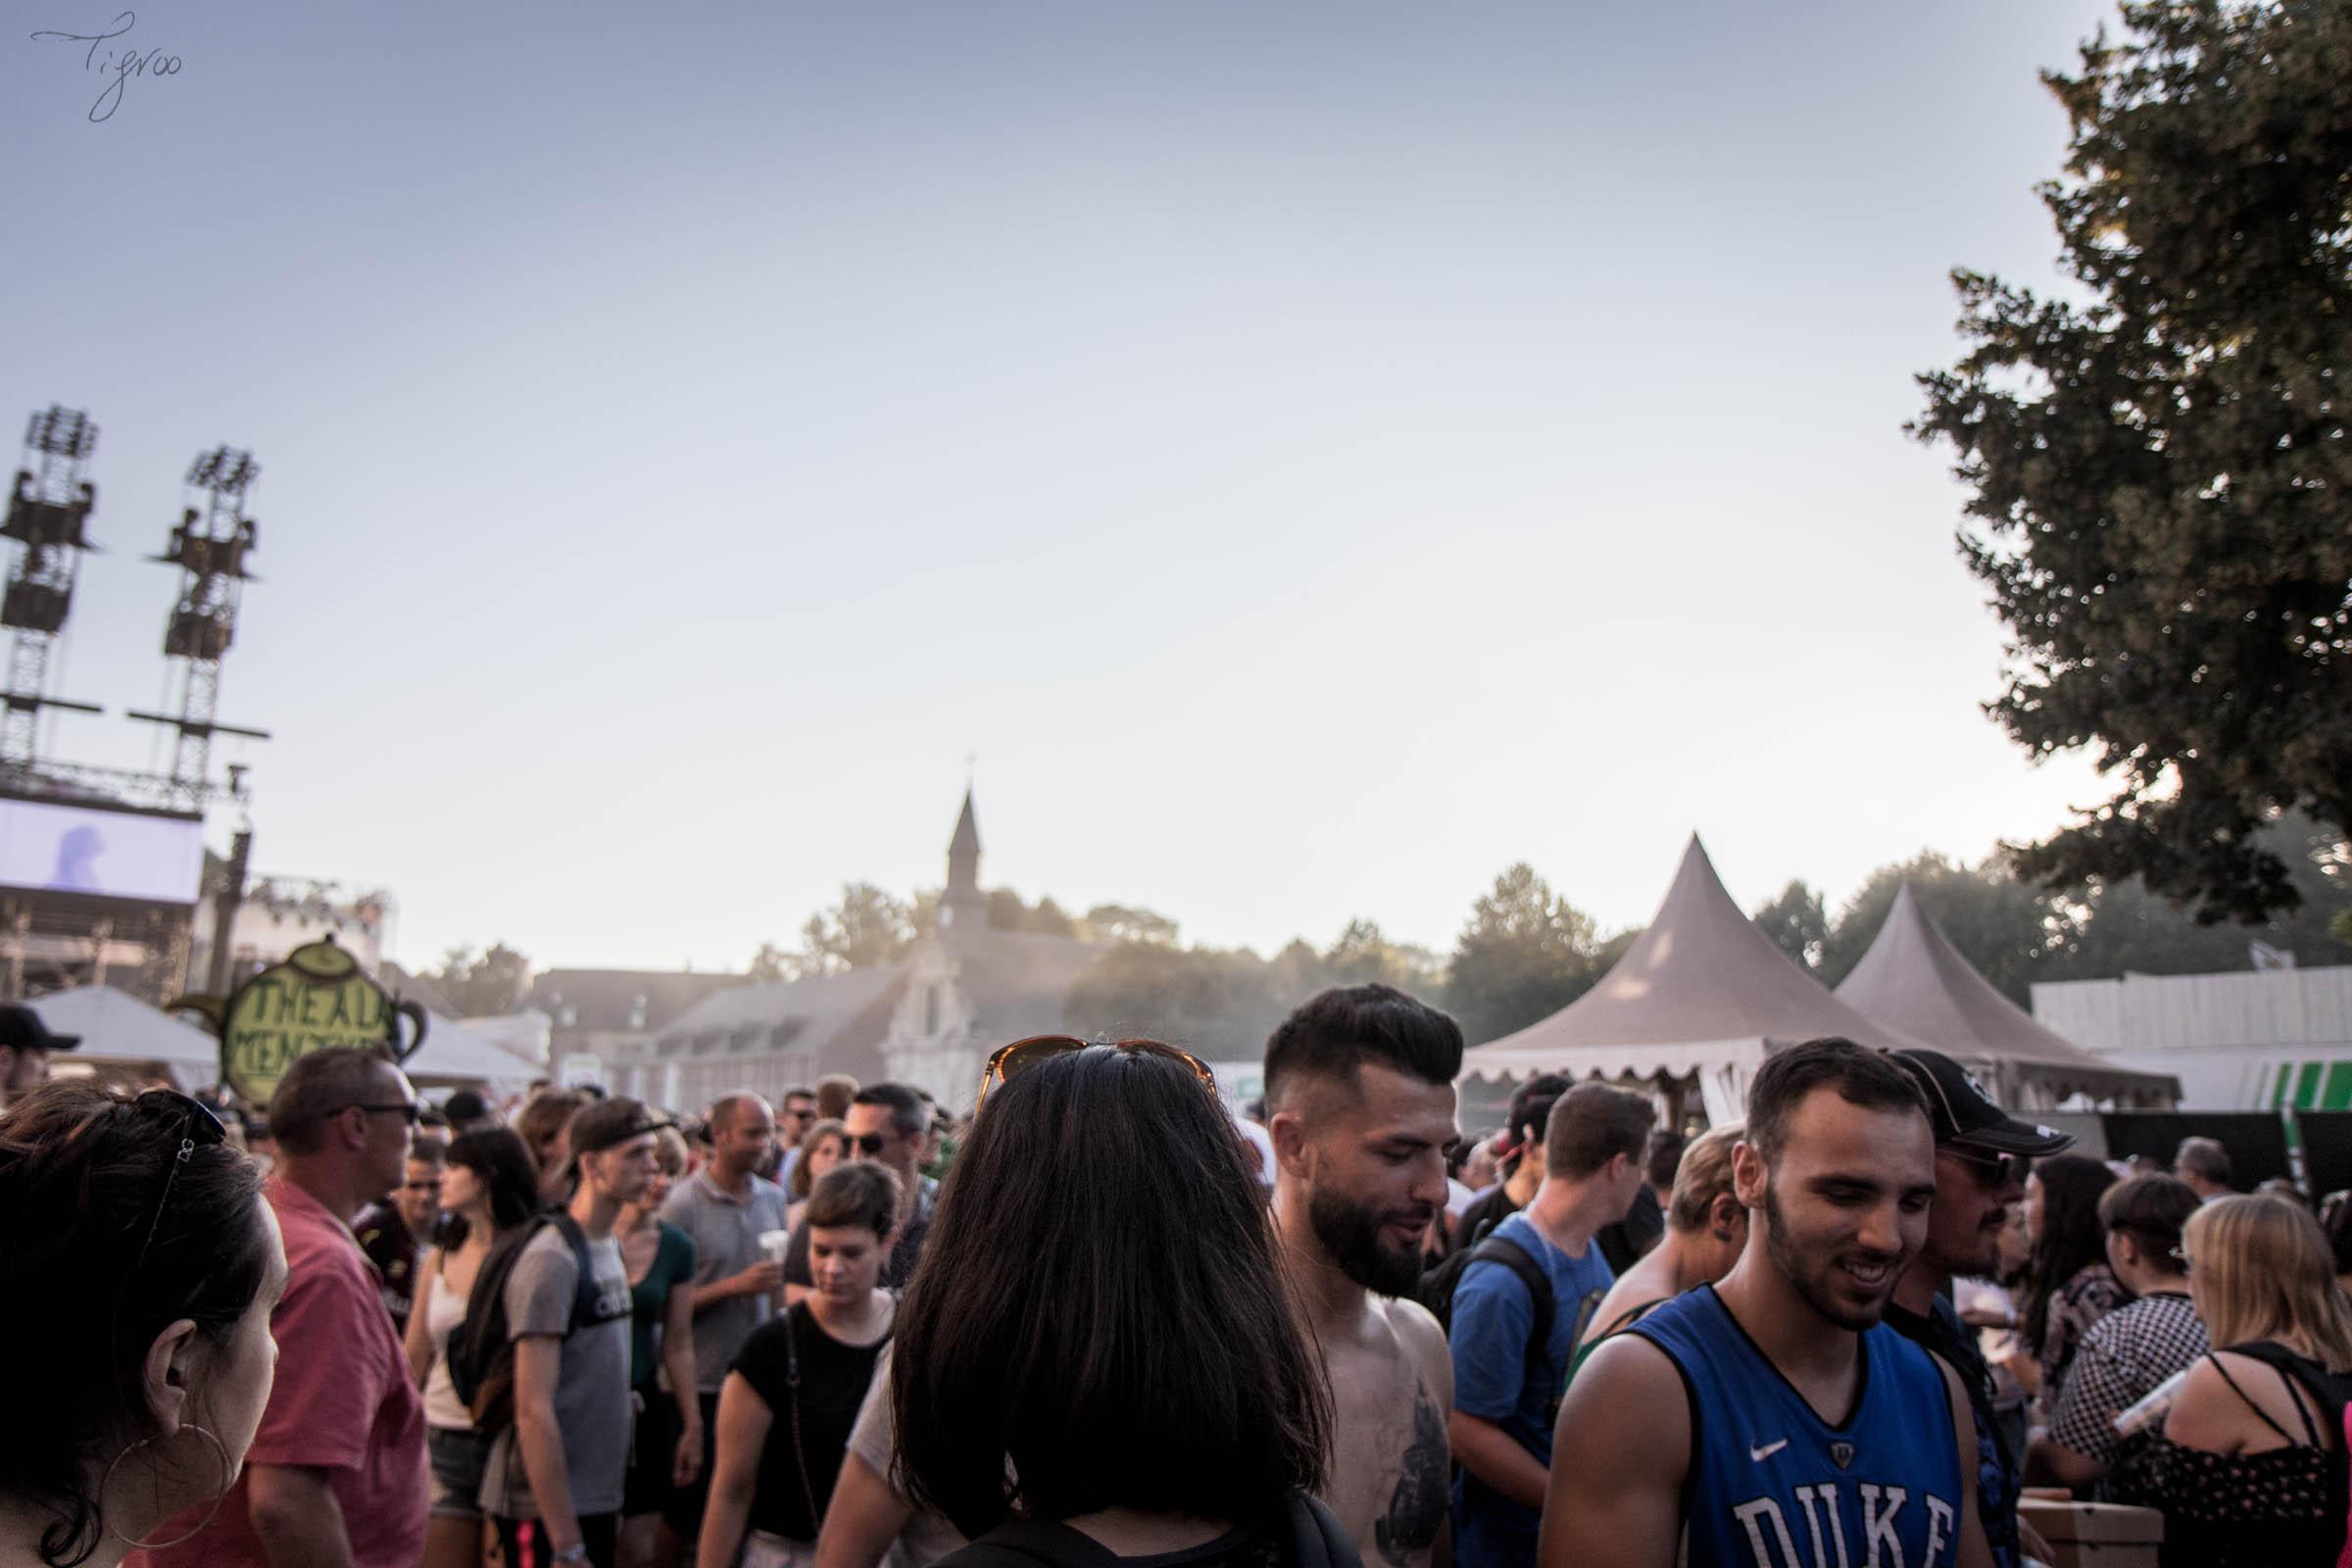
[48, 513]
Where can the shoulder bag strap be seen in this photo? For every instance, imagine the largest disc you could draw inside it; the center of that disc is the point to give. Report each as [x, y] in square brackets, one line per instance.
[792, 1381]
[2258, 1410]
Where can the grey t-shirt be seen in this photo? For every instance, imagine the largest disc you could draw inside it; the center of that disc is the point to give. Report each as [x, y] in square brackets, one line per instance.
[726, 1241]
[928, 1535]
[592, 1378]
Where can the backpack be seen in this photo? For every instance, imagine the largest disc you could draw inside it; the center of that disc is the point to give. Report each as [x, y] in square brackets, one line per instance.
[481, 1349]
[1311, 1539]
[1438, 1286]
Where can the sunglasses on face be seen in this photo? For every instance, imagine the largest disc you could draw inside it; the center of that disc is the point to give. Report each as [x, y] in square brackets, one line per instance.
[1995, 1170]
[1015, 1058]
[868, 1144]
[414, 1111]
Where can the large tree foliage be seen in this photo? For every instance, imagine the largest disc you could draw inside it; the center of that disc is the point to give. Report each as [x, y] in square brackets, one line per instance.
[482, 985]
[1799, 925]
[2012, 932]
[1525, 953]
[2160, 470]
[867, 928]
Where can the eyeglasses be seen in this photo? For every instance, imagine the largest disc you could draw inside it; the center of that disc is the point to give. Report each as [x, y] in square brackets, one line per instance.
[1024, 1053]
[197, 1125]
[1997, 1170]
[868, 1142]
[412, 1109]
[2180, 1256]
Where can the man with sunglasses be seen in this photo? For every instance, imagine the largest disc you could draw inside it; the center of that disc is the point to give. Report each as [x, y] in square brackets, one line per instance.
[1982, 1157]
[336, 1475]
[889, 1124]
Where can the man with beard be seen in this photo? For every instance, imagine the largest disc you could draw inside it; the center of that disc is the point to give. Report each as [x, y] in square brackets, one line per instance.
[1981, 1156]
[1509, 1365]
[1359, 1094]
[1771, 1420]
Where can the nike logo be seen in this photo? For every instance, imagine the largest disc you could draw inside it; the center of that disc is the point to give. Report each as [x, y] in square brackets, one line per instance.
[1767, 1450]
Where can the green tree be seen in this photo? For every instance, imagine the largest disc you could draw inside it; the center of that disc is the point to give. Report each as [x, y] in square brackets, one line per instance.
[867, 928]
[1363, 956]
[2125, 927]
[1525, 953]
[485, 985]
[1218, 1004]
[1120, 922]
[1797, 924]
[2013, 932]
[769, 965]
[2158, 473]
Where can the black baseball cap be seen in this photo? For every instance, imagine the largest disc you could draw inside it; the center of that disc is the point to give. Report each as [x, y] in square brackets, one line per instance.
[21, 1029]
[1964, 1112]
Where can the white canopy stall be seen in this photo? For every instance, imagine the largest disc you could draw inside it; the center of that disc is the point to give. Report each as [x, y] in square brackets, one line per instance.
[1702, 996]
[118, 1030]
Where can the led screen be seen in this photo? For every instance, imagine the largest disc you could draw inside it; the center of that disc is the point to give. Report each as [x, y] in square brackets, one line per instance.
[106, 854]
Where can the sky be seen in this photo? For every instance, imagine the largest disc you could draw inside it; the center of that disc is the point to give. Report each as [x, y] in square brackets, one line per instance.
[1295, 459]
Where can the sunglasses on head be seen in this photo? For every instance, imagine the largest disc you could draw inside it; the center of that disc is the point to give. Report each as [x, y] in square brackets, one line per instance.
[198, 1125]
[1015, 1058]
[1999, 1170]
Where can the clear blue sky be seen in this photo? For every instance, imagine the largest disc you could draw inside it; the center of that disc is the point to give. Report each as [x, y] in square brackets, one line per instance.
[1314, 455]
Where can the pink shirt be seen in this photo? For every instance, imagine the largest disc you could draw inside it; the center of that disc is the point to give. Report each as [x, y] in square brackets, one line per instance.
[342, 1403]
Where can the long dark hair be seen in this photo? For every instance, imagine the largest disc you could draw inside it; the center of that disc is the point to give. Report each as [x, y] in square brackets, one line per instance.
[82, 1171]
[510, 1176]
[2071, 1237]
[1100, 1299]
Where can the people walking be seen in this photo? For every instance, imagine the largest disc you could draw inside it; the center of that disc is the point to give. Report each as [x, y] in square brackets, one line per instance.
[1518, 1322]
[787, 1408]
[552, 1481]
[139, 1266]
[337, 1473]
[1359, 1094]
[1763, 1420]
[489, 1188]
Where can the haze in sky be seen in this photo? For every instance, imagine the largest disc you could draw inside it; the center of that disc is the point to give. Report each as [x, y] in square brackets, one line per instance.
[1311, 455]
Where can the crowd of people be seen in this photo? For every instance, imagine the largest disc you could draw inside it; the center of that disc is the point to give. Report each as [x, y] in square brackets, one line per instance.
[1107, 1318]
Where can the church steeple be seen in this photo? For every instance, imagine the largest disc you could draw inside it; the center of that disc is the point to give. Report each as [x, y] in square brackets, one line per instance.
[963, 902]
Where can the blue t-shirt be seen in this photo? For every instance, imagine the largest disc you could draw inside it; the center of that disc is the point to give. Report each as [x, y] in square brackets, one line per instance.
[1494, 1318]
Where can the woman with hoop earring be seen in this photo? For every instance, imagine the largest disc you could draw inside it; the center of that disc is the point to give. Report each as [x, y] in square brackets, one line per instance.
[138, 1268]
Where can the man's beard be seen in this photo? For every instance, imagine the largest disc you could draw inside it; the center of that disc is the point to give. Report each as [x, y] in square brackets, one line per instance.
[1349, 1232]
[1812, 1288]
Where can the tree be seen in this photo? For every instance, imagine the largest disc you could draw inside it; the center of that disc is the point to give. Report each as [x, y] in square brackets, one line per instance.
[1524, 955]
[1363, 956]
[484, 986]
[2159, 473]
[2125, 927]
[1219, 1004]
[1797, 924]
[1120, 922]
[867, 928]
[770, 964]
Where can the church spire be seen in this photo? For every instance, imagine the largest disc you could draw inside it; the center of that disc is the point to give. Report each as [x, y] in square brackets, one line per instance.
[964, 869]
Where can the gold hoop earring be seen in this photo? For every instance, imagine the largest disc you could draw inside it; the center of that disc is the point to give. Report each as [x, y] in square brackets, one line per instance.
[228, 1475]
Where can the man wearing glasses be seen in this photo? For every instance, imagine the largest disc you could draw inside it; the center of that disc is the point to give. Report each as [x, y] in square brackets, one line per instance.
[1981, 1156]
[889, 1124]
[336, 1473]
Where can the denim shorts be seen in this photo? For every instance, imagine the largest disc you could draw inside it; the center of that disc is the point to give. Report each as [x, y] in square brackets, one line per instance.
[460, 1455]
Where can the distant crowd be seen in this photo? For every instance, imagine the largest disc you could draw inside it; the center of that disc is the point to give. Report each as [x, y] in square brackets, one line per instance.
[1102, 1316]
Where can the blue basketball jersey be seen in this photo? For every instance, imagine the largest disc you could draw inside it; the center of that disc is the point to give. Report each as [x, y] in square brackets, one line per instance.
[1775, 1486]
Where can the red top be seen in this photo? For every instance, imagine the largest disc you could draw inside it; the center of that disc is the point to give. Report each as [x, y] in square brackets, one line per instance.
[343, 1403]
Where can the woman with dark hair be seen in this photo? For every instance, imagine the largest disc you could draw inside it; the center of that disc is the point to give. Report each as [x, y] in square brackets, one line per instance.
[489, 1186]
[823, 1146]
[1101, 1304]
[2069, 1285]
[787, 1407]
[665, 1449]
[138, 1268]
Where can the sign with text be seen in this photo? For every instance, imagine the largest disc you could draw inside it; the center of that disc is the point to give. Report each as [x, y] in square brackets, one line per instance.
[316, 998]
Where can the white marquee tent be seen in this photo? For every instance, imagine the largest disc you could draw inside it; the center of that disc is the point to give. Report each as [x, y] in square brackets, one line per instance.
[118, 1030]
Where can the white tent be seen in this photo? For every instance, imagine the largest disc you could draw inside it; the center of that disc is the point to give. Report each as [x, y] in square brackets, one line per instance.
[1702, 994]
[1913, 979]
[453, 1054]
[118, 1029]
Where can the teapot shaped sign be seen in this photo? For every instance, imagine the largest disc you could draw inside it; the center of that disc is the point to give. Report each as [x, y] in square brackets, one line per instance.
[317, 998]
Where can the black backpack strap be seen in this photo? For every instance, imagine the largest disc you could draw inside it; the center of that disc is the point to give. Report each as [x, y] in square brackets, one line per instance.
[1036, 1543]
[1511, 1256]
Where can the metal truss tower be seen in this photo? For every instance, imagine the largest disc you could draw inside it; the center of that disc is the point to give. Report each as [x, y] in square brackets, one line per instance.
[209, 546]
[47, 512]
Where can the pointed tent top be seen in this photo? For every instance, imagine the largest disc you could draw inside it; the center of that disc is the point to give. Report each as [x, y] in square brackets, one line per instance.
[1914, 979]
[1700, 986]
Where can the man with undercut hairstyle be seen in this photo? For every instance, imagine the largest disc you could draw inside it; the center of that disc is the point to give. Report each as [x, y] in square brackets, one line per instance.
[1771, 1420]
[1359, 1102]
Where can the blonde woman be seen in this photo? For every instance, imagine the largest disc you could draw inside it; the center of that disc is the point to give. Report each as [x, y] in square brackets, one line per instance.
[2250, 1468]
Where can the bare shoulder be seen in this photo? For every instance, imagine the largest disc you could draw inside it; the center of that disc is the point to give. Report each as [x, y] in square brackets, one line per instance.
[1422, 1340]
[1629, 1400]
[2207, 1413]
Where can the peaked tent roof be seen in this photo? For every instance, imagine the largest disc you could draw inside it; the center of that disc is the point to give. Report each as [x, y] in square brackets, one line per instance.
[1701, 988]
[1914, 979]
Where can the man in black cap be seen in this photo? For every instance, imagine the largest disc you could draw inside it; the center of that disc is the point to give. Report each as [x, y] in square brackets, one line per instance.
[1981, 1156]
[25, 1046]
